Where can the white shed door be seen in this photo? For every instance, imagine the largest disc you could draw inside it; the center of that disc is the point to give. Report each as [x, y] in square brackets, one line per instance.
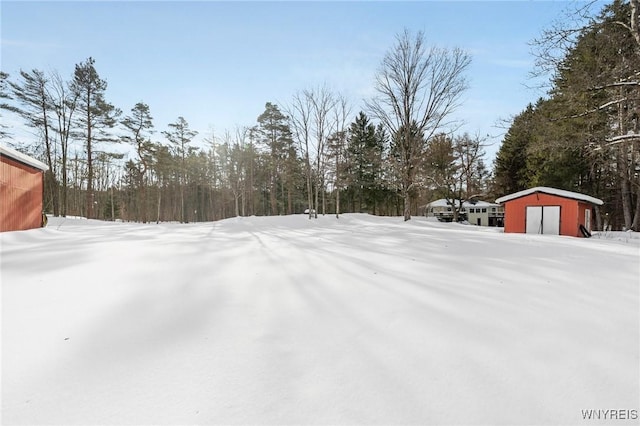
[534, 220]
[543, 220]
[587, 219]
[551, 220]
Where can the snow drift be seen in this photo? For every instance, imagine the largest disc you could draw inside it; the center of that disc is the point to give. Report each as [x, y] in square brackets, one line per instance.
[357, 320]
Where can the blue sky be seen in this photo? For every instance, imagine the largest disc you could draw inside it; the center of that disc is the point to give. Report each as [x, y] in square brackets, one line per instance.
[218, 63]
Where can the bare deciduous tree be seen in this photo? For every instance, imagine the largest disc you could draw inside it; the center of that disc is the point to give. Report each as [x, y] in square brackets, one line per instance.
[64, 101]
[299, 113]
[323, 125]
[418, 88]
[341, 112]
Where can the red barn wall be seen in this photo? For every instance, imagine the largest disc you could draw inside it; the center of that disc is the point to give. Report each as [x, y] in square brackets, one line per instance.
[515, 212]
[21, 189]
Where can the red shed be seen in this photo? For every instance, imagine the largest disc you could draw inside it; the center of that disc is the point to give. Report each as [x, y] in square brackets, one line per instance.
[543, 210]
[21, 190]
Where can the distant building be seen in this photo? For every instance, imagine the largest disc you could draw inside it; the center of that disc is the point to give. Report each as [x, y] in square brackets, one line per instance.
[482, 213]
[543, 210]
[479, 213]
[21, 191]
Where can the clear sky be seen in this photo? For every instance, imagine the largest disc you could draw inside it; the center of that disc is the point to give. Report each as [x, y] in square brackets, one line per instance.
[218, 63]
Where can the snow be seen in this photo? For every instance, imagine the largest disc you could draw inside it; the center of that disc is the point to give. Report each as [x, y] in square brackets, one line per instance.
[286, 320]
[23, 158]
[551, 191]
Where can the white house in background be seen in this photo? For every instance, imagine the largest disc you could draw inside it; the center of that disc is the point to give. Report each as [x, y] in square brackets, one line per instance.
[482, 213]
[479, 213]
[442, 210]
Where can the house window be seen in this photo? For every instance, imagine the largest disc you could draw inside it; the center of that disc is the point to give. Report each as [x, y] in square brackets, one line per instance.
[484, 210]
[472, 210]
[493, 209]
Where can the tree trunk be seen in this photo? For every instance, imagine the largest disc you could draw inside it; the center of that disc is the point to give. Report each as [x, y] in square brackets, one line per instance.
[90, 196]
[407, 205]
[113, 209]
[635, 225]
[315, 212]
[324, 199]
[158, 209]
[598, 219]
[406, 189]
[309, 190]
[625, 189]
[52, 189]
[272, 196]
[143, 199]
[65, 189]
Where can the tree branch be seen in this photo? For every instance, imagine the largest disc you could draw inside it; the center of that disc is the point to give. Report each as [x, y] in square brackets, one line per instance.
[591, 111]
[617, 84]
[618, 139]
[622, 138]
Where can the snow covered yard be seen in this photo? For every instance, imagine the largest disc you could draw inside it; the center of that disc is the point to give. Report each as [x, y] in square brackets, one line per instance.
[283, 320]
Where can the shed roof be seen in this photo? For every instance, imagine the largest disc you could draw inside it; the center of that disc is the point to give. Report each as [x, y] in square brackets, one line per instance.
[551, 191]
[478, 203]
[445, 203]
[23, 158]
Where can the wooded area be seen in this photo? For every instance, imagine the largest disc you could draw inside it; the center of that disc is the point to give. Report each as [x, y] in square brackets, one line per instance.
[317, 154]
[585, 135]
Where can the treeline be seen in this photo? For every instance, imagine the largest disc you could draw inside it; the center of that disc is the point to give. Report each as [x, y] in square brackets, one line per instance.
[306, 159]
[585, 135]
[314, 154]
[311, 155]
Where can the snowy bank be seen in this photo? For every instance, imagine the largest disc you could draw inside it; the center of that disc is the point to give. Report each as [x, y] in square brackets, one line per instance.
[286, 320]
